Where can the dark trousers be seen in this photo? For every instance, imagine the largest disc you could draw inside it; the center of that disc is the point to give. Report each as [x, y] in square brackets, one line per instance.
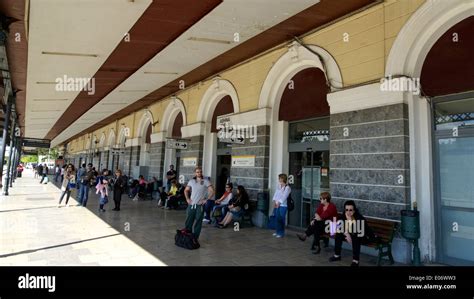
[208, 209]
[194, 216]
[356, 242]
[117, 198]
[172, 202]
[66, 192]
[316, 229]
[42, 178]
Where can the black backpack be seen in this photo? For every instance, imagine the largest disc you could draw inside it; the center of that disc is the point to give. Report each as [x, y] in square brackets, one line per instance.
[290, 203]
[185, 239]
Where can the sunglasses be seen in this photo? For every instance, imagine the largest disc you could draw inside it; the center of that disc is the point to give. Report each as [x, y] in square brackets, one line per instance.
[349, 210]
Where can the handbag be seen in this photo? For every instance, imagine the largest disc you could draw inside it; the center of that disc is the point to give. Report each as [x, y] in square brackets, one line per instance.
[185, 239]
[272, 221]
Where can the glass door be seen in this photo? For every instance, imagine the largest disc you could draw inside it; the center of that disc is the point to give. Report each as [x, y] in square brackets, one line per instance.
[308, 168]
[454, 162]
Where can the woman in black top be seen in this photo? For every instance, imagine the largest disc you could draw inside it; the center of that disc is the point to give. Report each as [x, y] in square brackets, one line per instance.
[356, 232]
[119, 186]
[236, 207]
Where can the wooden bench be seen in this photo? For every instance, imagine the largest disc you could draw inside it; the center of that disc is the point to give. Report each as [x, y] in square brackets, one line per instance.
[384, 230]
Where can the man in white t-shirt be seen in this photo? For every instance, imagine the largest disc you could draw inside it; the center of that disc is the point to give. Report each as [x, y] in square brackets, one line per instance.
[201, 190]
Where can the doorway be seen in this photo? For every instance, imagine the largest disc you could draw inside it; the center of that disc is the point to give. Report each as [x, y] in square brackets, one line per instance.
[308, 168]
[454, 173]
[223, 164]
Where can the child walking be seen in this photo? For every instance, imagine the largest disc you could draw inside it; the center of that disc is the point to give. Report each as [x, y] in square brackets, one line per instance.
[102, 188]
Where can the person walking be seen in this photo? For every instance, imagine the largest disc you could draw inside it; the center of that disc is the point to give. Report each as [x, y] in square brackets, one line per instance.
[85, 177]
[102, 188]
[119, 187]
[57, 172]
[280, 204]
[68, 184]
[201, 190]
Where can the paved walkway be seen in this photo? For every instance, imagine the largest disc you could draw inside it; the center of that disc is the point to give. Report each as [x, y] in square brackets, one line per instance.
[34, 231]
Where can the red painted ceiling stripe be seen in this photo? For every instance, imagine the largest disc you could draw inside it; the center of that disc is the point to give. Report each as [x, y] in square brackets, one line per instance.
[161, 23]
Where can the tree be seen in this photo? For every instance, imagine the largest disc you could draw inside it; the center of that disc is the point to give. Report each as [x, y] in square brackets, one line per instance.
[29, 159]
[51, 154]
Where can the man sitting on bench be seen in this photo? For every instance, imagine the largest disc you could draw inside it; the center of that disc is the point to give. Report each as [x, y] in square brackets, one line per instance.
[325, 211]
[352, 228]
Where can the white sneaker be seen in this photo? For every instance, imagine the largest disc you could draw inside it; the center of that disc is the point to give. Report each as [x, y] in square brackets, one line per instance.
[205, 220]
[279, 236]
[275, 234]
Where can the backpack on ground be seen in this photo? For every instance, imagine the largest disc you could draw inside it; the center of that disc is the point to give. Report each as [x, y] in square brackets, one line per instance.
[185, 239]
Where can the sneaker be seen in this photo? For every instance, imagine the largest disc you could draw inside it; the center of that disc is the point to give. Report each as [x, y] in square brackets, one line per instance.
[354, 264]
[206, 220]
[103, 210]
[279, 236]
[334, 258]
[274, 234]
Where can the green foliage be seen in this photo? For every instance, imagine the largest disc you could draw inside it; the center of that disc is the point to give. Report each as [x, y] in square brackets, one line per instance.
[29, 159]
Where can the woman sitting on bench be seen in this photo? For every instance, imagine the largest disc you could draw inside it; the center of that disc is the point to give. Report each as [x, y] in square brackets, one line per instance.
[222, 203]
[325, 211]
[235, 207]
[354, 230]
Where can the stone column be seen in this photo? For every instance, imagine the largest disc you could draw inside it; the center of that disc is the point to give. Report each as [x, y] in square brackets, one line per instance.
[254, 179]
[157, 154]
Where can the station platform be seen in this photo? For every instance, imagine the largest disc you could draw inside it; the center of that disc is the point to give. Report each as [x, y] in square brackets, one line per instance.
[35, 232]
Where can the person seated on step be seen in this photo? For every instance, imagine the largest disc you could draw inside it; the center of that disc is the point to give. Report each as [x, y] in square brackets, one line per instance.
[325, 211]
[236, 207]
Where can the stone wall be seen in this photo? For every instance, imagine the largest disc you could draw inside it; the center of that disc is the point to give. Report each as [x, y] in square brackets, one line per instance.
[195, 149]
[369, 160]
[157, 153]
[254, 179]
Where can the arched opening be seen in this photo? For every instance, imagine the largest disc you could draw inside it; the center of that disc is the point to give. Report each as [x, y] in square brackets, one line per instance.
[304, 111]
[174, 118]
[447, 76]
[220, 99]
[178, 123]
[223, 149]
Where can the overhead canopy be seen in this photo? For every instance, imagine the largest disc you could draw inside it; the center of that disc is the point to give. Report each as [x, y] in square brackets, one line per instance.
[137, 51]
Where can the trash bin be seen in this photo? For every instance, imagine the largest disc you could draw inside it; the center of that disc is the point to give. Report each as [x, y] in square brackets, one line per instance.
[410, 230]
[263, 202]
[410, 226]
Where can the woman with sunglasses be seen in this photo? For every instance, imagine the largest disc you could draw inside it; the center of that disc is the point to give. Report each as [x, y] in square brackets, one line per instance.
[68, 184]
[325, 211]
[223, 202]
[351, 219]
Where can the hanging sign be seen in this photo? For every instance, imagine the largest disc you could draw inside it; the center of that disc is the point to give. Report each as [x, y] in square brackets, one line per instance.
[190, 161]
[176, 144]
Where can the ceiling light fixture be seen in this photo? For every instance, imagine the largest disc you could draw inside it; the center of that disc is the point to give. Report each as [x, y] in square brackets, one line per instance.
[160, 73]
[133, 90]
[48, 110]
[69, 54]
[209, 40]
[49, 100]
